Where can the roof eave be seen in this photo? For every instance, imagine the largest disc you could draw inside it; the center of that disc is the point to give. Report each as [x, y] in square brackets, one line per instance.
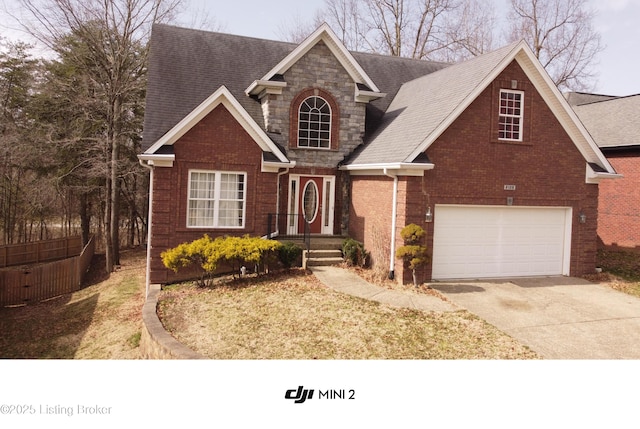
[156, 160]
[362, 96]
[380, 169]
[594, 177]
[260, 88]
[221, 96]
[274, 167]
[332, 41]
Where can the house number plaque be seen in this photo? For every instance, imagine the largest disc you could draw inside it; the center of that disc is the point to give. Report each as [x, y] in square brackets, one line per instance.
[509, 187]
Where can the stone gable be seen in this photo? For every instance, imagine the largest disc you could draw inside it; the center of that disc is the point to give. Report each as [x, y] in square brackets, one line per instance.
[317, 69]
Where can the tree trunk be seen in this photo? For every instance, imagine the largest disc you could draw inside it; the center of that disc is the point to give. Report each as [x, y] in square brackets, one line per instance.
[85, 218]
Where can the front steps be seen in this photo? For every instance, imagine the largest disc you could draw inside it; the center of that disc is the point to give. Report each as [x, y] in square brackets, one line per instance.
[324, 250]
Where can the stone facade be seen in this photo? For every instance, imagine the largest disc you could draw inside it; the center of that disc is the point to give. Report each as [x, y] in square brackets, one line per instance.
[317, 70]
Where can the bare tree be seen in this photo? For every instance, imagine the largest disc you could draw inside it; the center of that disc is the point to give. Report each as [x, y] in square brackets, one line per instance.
[444, 30]
[561, 35]
[113, 32]
[470, 30]
[295, 29]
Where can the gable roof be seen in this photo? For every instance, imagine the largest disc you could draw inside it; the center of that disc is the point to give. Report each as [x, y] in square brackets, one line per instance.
[344, 57]
[186, 66]
[425, 107]
[613, 123]
[577, 98]
[221, 97]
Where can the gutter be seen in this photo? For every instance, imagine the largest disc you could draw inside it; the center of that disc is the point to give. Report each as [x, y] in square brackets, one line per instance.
[394, 212]
[149, 225]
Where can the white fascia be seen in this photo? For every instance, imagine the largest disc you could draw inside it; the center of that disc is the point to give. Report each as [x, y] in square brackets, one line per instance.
[594, 177]
[337, 48]
[260, 88]
[274, 167]
[221, 96]
[396, 168]
[367, 96]
[156, 160]
[562, 110]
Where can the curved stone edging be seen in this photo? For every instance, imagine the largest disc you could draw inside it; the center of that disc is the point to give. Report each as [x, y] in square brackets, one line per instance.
[155, 342]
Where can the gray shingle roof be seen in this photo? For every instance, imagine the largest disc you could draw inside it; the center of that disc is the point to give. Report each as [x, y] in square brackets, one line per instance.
[422, 105]
[577, 98]
[612, 123]
[186, 66]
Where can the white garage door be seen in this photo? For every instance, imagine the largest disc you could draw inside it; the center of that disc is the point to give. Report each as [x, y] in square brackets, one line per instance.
[490, 242]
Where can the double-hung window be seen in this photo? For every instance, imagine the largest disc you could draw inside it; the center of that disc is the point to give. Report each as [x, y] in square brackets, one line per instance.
[510, 115]
[216, 199]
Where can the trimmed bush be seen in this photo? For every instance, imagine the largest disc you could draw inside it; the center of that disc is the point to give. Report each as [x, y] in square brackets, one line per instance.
[207, 254]
[413, 253]
[354, 253]
[289, 253]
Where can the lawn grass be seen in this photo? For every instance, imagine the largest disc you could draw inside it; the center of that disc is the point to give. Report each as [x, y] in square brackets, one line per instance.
[293, 316]
[101, 321]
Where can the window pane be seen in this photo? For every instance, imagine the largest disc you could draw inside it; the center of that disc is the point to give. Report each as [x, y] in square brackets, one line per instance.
[510, 115]
[314, 115]
[216, 199]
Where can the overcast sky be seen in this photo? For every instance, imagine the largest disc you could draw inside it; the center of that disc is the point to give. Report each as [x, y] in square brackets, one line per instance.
[617, 21]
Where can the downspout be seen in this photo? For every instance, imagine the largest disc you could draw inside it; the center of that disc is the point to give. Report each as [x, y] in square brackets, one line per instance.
[282, 173]
[149, 223]
[394, 212]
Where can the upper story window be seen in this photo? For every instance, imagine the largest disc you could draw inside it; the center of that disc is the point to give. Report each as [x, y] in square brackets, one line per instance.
[510, 115]
[216, 199]
[314, 123]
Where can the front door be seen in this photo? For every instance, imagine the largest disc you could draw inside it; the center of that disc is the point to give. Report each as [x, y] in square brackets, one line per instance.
[311, 199]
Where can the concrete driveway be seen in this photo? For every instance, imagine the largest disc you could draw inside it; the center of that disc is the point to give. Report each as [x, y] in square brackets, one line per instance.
[558, 317]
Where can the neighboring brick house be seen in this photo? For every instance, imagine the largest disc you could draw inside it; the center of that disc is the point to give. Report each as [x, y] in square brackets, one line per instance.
[614, 124]
[250, 136]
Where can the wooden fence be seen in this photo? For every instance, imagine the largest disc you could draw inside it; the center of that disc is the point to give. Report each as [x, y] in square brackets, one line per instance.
[32, 285]
[40, 251]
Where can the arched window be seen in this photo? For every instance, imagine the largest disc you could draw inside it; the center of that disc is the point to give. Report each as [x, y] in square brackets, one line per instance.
[314, 123]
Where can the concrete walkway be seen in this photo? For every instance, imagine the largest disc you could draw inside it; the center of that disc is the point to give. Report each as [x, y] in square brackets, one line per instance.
[558, 317]
[347, 282]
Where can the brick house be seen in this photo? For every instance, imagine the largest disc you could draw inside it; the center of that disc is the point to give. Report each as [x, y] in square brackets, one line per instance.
[250, 136]
[614, 124]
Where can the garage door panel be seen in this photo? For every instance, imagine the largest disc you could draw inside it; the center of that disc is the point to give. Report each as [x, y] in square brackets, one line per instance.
[481, 241]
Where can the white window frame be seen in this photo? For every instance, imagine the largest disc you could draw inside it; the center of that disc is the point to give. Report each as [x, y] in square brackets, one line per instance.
[508, 115]
[214, 221]
[320, 140]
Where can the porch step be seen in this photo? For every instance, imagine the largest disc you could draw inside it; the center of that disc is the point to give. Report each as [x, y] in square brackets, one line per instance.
[324, 262]
[324, 250]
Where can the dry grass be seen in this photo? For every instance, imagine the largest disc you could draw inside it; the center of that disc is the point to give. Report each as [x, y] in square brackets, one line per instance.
[621, 270]
[101, 321]
[293, 316]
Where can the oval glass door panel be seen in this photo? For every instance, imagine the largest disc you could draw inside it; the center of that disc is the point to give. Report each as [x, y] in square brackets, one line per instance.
[310, 201]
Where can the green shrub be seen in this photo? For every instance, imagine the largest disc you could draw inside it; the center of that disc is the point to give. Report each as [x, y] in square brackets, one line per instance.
[289, 253]
[354, 253]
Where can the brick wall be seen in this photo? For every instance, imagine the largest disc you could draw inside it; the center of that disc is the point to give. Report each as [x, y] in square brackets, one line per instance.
[370, 216]
[472, 166]
[619, 215]
[218, 142]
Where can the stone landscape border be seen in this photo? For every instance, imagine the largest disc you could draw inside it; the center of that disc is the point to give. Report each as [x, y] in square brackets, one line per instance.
[155, 341]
